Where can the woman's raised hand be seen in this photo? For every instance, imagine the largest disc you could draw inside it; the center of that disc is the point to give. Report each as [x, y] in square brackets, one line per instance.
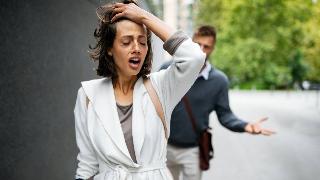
[140, 16]
[130, 11]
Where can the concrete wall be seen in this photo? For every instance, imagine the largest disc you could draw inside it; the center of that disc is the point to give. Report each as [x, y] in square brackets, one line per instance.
[43, 58]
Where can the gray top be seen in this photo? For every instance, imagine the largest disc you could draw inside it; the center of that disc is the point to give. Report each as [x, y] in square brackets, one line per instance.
[125, 117]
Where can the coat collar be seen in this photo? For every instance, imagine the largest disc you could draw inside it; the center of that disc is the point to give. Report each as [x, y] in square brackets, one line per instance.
[101, 95]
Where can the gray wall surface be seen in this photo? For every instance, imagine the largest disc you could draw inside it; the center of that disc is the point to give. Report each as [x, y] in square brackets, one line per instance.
[43, 58]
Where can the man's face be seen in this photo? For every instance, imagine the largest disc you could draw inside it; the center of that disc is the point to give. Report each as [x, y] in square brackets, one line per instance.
[206, 43]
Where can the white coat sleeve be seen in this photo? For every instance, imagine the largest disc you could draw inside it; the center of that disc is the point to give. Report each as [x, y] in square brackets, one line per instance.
[88, 164]
[173, 83]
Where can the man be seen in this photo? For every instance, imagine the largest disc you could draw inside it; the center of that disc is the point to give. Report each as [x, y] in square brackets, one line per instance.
[209, 93]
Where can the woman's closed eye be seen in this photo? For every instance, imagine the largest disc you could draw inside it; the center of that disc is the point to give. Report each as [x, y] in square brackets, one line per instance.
[126, 43]
[142, 40]
[143, 43]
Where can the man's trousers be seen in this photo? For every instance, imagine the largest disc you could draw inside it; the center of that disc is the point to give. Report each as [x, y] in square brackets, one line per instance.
[184, 161]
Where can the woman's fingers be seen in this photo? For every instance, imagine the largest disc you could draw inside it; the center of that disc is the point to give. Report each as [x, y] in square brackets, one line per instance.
[117, 5]
[117, 16]
[117, 12]
[130, 11]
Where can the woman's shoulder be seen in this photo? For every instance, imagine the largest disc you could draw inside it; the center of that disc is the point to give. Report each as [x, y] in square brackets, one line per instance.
[95, 84]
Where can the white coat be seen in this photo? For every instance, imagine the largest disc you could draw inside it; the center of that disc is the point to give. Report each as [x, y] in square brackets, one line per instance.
[103, 151]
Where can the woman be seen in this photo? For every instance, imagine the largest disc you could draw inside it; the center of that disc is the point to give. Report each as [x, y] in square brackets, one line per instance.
[118, 131]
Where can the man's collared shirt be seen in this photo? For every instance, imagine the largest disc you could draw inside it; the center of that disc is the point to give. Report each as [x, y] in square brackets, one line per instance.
[205, 72]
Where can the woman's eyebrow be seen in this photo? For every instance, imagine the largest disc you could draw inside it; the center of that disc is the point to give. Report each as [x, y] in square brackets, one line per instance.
[142, 37]
[132, 37]
[126, 38]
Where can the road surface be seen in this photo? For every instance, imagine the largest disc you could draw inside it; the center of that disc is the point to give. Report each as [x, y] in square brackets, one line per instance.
[292, 154]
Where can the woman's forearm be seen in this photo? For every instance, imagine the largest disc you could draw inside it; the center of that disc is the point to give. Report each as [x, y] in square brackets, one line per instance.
[157, 26]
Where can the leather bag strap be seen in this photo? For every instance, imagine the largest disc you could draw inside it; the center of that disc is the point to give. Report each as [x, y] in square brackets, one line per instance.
[189, 111]
[157, 104]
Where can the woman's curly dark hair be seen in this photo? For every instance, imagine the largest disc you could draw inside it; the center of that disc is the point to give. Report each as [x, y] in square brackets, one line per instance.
[105, 35]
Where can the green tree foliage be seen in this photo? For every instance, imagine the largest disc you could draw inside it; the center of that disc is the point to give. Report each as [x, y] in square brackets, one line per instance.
[263, 43]
[311, 48]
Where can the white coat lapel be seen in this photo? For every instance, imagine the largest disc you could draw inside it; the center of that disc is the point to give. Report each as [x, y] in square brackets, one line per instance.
[101, 95]
[138, 118]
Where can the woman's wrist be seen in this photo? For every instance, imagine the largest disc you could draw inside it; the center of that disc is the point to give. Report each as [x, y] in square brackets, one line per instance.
[157, 26]
[145, 16]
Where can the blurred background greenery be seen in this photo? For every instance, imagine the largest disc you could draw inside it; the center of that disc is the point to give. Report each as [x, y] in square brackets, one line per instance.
[265, 44]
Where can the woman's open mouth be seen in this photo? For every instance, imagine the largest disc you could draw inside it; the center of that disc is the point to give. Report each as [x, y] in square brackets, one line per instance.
[134, 63]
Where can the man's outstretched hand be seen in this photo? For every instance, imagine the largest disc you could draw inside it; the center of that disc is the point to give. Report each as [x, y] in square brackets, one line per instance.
[255, 128]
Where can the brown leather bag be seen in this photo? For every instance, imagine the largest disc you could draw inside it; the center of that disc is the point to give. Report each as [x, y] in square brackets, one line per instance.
[205, 139]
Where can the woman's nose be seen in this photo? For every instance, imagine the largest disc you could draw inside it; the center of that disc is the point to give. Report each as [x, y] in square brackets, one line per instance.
[136, 47]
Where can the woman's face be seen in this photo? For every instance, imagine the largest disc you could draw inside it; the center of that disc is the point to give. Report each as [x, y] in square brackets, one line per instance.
[129, 48]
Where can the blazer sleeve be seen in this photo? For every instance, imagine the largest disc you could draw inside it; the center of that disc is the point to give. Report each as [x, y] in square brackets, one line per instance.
[88, 164]
[173, 83]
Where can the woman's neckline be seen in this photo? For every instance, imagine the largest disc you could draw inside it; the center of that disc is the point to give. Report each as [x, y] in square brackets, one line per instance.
[125, 105]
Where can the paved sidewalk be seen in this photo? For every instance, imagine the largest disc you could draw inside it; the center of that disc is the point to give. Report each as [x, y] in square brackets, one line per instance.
[292, 154]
